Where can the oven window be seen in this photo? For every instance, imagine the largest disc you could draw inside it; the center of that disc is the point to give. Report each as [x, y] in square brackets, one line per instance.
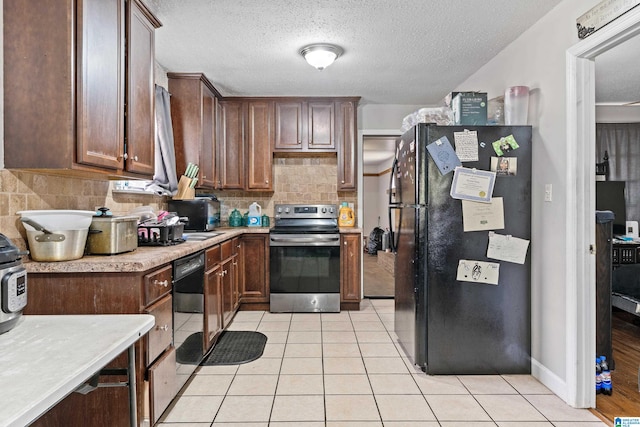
[308, 269]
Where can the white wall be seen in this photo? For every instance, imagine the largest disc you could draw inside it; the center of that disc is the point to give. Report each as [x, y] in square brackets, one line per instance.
[616, 114]
[537, 59]
[376, 199]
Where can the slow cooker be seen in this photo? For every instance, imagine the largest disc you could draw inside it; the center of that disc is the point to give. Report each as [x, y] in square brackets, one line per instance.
[13, 281]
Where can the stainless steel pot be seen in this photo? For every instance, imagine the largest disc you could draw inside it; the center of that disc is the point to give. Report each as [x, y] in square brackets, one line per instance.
[109, 235]
[71, 247]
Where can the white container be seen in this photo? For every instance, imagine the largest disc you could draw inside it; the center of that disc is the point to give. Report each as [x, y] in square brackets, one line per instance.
[516, 105]
[255, 215]
[59, 220]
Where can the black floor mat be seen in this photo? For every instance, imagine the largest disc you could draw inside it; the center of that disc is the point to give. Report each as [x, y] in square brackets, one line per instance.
[236, 347]
[190, 351]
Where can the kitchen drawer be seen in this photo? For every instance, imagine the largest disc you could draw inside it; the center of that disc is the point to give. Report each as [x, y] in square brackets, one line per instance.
[227, 249]
[163, 384]
[156, 284]
[159, 337]
[212, 256]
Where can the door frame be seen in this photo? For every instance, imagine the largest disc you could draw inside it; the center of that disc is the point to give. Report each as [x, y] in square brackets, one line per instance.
[580, 203]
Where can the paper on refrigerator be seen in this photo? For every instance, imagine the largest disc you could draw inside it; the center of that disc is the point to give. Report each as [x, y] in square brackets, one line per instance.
[483, 216]
[472, 184]
[466, 145]
[478, 271]
[507, 248]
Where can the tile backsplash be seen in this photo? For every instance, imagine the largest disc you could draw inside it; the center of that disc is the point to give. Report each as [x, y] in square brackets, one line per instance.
[296, 180]
[22, 190]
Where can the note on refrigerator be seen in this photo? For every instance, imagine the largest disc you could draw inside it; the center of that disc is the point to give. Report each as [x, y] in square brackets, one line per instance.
[478, 271]
[466, 145]
[507, 248]
[483, 216]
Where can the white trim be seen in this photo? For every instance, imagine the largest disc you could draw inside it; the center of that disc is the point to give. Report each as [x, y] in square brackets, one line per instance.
[580, 190]
[549, 379]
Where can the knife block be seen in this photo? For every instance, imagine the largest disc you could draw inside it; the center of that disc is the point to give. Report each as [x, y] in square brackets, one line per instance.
[185, 192]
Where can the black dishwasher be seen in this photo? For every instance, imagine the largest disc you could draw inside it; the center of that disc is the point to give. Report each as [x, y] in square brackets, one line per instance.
[188, 316]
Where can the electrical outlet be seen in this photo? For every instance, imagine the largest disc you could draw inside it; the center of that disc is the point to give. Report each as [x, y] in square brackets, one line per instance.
[548, 192]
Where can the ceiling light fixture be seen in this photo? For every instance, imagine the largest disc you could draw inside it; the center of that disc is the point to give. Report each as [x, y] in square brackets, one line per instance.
[321, 55]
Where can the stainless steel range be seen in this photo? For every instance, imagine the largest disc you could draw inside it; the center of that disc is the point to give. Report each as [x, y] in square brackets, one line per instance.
[305, 259]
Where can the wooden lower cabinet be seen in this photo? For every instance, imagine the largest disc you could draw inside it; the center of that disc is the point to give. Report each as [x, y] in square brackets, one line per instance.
[255, 284]
[350, 266]
[163, 384]
[114, 293]
[212, 305]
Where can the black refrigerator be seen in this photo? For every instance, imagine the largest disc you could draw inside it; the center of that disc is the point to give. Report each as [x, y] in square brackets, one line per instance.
[448, 326]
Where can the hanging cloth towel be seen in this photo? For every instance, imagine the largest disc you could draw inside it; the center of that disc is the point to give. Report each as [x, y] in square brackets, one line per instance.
[165, 180]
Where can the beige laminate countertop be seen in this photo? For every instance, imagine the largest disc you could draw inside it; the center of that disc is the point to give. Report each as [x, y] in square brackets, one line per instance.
[142, 259]
[146, 257]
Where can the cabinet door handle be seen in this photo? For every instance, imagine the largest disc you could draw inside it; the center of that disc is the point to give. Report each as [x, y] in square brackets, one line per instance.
[266, 181]
[164, 283]
[342, 181]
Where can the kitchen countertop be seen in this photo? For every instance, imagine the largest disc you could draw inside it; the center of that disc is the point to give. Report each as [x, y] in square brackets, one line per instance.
[142, 259]
[44, 358]
[146, 257]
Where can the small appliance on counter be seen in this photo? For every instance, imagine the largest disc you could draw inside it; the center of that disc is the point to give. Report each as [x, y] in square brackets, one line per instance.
[13, 280]
[110, 235]
[203, 212]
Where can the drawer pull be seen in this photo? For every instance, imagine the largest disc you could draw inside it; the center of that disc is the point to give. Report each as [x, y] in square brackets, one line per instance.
[162, 328]
[164, 283]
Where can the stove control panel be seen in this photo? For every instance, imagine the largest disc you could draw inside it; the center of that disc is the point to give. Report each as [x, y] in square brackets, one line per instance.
[306, 211]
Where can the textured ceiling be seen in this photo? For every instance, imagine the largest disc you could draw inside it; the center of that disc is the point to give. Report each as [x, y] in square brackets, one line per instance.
[618, 74]
[396, 52]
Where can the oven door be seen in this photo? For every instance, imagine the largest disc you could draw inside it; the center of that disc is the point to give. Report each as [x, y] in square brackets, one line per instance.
[304, 272]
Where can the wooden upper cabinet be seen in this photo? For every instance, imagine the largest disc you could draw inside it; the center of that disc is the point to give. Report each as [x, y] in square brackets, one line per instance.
[140, 126]
[259, 145]
[193, 115]
[289, 130]
[320, 126]
[65, 75]
[231, 147]
[346, 145]
[310, 125]
[100, 83]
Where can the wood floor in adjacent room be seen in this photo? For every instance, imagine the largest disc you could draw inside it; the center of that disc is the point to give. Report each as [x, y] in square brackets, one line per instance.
[625, 400]
[377, 282]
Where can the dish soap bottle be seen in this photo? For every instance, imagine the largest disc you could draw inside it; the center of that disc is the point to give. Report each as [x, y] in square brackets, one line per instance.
[346, 218]
[255, 215]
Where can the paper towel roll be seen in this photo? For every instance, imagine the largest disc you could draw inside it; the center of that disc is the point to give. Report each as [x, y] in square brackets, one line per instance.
[632, 229]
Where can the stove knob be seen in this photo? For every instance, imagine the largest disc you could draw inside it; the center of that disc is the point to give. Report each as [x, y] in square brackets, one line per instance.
[286, 210]
[279, 210]
[324, 210]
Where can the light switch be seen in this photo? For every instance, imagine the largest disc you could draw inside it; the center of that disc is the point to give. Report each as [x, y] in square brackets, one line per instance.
[547, 192]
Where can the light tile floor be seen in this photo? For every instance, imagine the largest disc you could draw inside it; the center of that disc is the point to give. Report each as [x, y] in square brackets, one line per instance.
[346, 369]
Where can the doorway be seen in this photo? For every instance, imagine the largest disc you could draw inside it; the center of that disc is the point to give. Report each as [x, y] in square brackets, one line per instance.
[580, 203]
[378, 152]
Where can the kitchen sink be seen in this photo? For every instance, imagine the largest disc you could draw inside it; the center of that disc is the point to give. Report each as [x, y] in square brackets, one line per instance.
[197, 236]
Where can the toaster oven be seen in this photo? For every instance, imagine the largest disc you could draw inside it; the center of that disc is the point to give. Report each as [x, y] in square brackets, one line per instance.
[203, 213]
